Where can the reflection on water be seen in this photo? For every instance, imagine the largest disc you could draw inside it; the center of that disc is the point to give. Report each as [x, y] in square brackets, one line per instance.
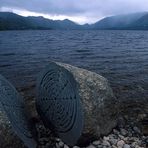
[120, 56]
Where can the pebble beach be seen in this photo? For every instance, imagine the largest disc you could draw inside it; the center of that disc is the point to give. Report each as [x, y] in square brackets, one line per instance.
[125, 136]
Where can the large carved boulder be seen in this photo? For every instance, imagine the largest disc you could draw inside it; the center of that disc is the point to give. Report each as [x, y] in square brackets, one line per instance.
[99, 105]
[77, 104]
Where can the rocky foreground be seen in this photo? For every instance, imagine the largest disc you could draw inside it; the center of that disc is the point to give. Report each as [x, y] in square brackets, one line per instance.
[109, 122]
[129, 132]
[126, 135]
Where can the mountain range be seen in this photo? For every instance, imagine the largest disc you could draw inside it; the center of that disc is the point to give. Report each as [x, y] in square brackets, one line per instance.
[134, 21]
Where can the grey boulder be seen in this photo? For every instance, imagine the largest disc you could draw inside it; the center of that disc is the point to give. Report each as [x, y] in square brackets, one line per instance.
[99, 105]
[7, 136]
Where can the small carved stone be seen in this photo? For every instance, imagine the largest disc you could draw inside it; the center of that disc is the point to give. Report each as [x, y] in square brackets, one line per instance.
[13, 105]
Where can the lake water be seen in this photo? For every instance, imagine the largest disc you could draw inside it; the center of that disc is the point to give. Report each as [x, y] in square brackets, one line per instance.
[120, 56]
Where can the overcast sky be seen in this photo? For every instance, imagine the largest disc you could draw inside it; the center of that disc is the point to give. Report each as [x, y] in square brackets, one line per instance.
[81, 11]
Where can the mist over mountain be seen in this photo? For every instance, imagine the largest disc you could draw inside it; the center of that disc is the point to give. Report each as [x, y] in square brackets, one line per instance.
[12, 21]
[118, 22]
[141, 23]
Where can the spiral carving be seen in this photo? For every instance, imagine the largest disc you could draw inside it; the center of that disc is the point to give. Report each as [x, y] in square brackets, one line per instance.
[58, 103]
[13, 105]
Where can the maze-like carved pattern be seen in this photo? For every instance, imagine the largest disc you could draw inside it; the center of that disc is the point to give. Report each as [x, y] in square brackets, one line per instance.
[13, 105]
[59, 104]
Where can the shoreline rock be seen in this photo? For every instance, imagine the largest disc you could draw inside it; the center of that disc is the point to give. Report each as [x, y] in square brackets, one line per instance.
[8, 138]
[100, 106]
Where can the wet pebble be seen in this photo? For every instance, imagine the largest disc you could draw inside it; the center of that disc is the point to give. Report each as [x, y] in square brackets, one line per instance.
[120, 143]
[96, 142]
[126, 146]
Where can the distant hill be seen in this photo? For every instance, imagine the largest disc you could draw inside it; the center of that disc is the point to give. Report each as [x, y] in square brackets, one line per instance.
[118, 22]
[140, 24]
[135, 21]
[12, 21]
[41, 22]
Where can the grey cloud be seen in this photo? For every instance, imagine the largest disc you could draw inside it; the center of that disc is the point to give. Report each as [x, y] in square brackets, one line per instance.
[54, 7]
[91, 8]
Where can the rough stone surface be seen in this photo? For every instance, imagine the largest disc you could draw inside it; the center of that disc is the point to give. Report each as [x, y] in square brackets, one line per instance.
[8, 138]
[100, 107]
[15, 109]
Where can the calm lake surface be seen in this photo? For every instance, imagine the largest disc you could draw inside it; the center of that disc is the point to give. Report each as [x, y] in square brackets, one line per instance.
[120, 56]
